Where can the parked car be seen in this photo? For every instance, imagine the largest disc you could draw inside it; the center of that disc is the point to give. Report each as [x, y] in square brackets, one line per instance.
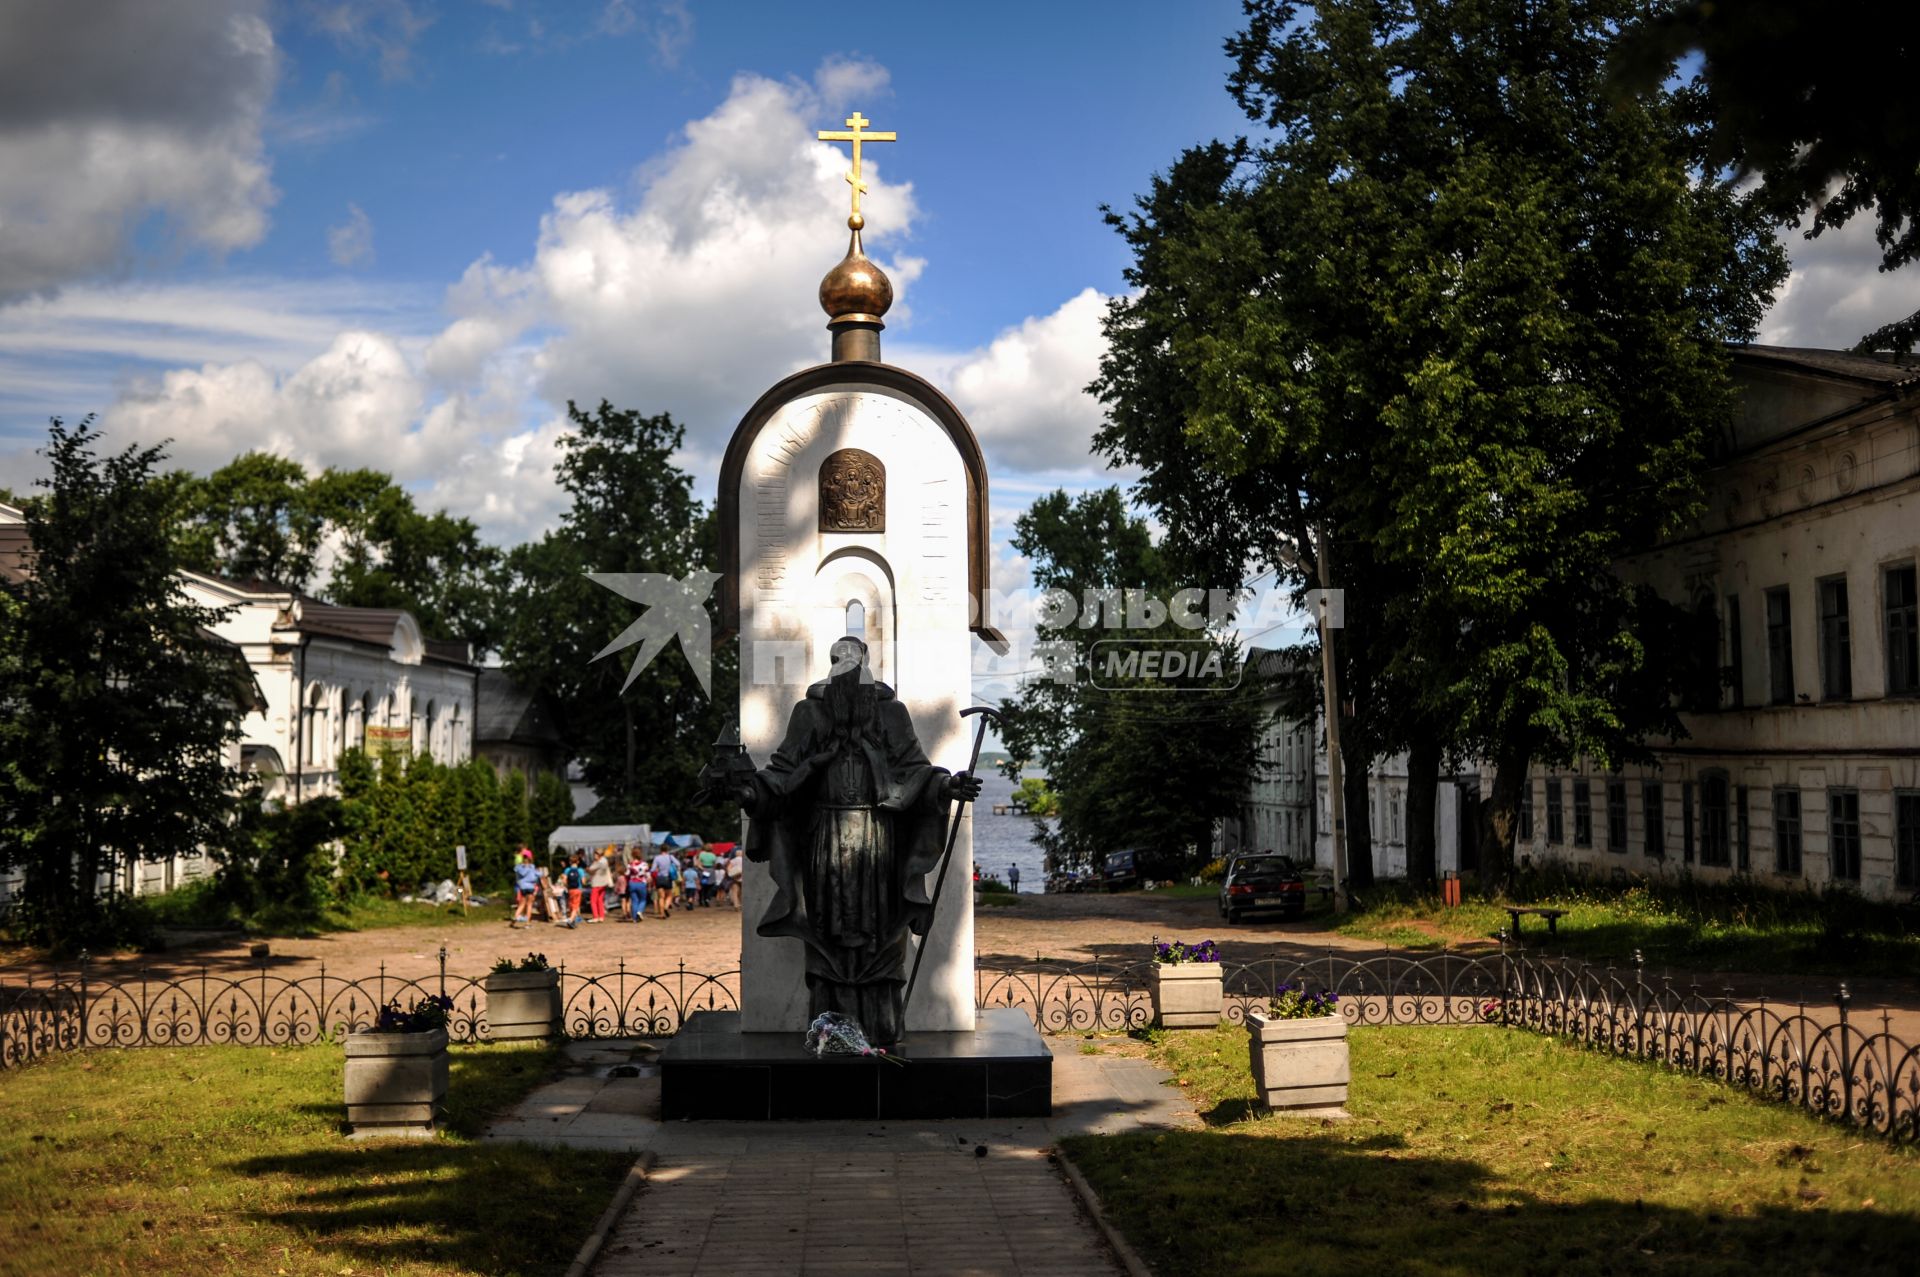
[1120, 869]
[1262, 883]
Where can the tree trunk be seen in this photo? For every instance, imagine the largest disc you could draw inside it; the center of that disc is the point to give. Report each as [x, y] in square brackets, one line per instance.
[626, 711]
[1356, 783]
[1423, 790]
[1500, 814]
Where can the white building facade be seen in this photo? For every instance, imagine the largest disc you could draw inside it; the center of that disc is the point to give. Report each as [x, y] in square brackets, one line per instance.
[1288, 811]
[339, 678]
[1807, 773]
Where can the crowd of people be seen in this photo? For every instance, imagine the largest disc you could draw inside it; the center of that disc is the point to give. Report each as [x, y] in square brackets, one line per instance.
[586, 886]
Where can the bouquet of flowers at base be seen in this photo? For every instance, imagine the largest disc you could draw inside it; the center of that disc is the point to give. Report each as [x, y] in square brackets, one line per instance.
[833, 1033]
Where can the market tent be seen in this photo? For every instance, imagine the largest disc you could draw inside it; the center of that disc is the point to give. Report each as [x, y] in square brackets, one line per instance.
[676, 841]
[593, 837]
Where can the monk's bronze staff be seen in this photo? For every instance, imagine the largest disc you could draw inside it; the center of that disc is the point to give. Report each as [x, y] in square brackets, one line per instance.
[946, 860]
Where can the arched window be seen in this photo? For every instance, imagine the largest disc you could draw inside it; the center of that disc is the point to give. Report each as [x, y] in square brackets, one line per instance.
[857, 619]
[313, 728]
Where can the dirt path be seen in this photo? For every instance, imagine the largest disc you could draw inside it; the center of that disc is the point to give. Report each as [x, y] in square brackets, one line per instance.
[1071, 927]
[708, 940]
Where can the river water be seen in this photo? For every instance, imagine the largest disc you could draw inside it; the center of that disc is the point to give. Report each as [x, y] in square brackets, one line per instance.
[999, 841]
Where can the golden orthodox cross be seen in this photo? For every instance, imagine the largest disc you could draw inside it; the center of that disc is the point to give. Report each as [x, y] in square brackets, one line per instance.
[854, 133]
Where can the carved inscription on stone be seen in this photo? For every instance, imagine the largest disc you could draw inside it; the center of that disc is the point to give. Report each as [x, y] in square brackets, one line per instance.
[853, 492]
[936, 540]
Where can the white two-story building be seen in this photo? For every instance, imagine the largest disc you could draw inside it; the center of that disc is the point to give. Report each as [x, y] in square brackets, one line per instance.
[339, 678]
[1807, 772]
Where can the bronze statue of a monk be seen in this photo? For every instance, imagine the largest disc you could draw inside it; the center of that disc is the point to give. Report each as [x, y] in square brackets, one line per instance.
[850, 817]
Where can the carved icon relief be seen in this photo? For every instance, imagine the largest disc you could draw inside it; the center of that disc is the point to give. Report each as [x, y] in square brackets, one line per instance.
[853, 492]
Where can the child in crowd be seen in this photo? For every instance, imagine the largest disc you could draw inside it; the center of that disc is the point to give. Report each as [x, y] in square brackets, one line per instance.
[576, 879]
[637, 875]
[526, 881]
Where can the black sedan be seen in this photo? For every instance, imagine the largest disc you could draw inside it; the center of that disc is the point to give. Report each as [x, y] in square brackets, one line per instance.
[1262, 883]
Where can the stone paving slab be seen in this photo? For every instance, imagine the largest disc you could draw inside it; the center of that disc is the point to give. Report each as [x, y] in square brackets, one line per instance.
[922, 1199]
[856, 1209]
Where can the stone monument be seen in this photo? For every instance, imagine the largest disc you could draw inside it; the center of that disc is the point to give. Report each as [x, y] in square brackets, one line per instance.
[853, 504]
[851, 822]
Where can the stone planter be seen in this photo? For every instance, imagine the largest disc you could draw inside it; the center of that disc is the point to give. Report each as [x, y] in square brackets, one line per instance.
[396, 1083]
[1185, 995]
[523, 1004]
[1300, 1066]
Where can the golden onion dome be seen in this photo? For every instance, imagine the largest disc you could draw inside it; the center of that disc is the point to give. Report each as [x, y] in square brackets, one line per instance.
[856, 290]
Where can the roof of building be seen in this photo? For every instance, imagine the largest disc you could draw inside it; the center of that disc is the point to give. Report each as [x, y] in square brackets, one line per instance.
[452, 651]
[506, 712]
[373, 625]
[1885, 370]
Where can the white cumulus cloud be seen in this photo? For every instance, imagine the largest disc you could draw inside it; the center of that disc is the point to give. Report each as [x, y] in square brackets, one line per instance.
[690, 292]
[1837, 294]
[116, 110]
[1026, 392]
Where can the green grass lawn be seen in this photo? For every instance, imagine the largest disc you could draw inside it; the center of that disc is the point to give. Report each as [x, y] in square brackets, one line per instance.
[1691, 927]
[231, 1160]
[1187, 891]
[371, 913]
[196, 906]
[1483, 1150]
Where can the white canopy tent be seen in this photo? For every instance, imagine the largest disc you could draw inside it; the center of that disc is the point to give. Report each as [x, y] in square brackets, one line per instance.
[623, 838]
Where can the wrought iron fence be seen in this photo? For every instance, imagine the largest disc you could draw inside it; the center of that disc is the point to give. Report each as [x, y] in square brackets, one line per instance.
[1834, 1066]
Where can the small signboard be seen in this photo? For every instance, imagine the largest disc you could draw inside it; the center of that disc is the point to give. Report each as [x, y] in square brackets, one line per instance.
[460, 858]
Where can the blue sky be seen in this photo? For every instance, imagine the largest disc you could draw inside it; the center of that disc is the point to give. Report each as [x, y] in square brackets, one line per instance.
[399, 147]
[401, 233]
[1017, 122]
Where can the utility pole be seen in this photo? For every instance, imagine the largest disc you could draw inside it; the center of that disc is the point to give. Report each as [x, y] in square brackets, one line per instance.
[1330, 683]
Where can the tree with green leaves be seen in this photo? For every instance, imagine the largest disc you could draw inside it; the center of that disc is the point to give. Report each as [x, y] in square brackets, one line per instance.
[548, 807]
[1469, 314]
[252, 519]
[1131, 765]
[264, 517]
[120, 706]
[642, 742]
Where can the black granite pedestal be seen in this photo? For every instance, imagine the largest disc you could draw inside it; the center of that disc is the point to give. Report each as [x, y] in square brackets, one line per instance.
[713, 1070]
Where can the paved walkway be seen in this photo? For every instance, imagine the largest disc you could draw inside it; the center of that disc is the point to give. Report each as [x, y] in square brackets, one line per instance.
[930, 1199]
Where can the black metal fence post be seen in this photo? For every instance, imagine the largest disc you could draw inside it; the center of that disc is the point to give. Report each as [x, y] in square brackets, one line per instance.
[1845, 999]
[82, 1039]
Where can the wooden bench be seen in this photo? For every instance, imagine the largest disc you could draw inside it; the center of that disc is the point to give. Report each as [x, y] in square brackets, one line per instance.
[1552, 916]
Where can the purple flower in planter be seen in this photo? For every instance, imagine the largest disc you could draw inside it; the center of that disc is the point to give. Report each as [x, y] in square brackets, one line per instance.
[1297, 1002]
[1179, 952]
